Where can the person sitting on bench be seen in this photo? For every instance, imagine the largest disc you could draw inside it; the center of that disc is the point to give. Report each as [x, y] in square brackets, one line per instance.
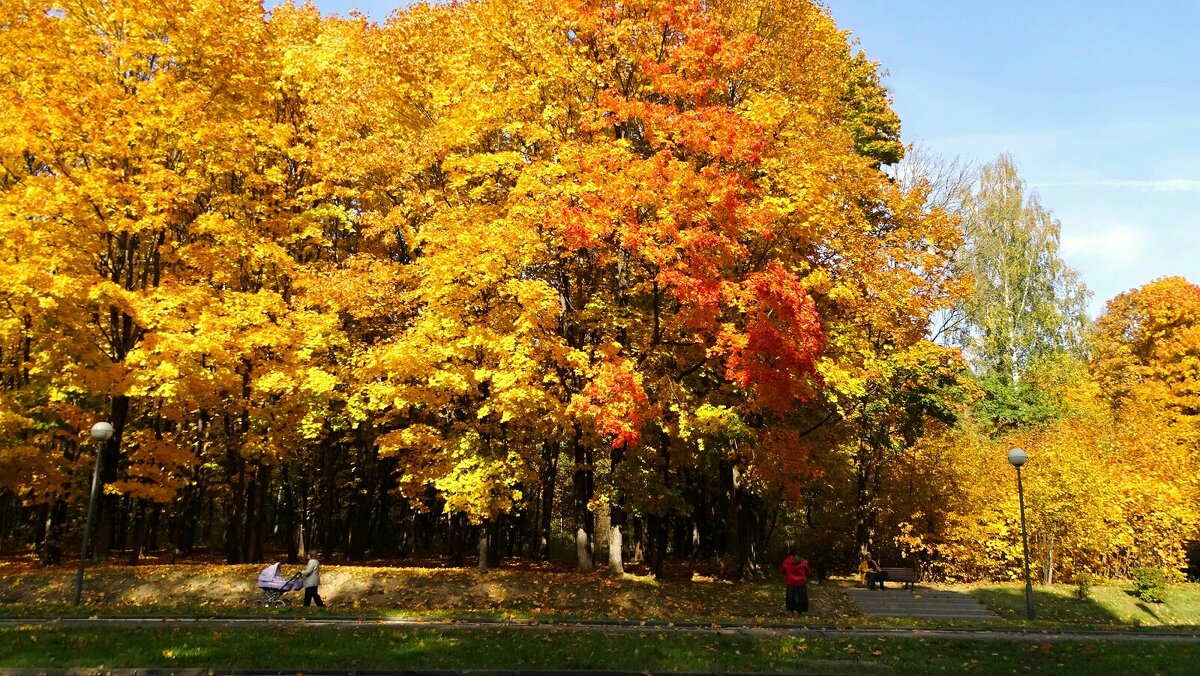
[869, 569]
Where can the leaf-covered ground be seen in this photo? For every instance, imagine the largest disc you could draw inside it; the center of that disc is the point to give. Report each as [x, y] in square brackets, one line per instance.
[524, 591]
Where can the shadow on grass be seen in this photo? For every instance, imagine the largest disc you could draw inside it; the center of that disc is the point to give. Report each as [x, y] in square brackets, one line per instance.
[1108, 606]
[1009, 603]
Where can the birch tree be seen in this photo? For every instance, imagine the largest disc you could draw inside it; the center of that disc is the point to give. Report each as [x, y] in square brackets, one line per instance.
[1027, 300]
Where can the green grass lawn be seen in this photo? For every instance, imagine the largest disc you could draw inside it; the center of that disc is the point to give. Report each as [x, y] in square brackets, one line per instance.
[315, 648]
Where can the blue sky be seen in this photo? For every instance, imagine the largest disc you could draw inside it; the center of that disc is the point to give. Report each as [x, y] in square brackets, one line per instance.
[1098, 102]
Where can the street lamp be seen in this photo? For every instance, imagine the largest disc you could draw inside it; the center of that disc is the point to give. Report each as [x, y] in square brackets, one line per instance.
[101, 432]
[1017, 457]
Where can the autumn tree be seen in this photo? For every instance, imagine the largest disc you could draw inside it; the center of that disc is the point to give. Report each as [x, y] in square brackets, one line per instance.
[1147, 344]
[483, 265]
[116, 167]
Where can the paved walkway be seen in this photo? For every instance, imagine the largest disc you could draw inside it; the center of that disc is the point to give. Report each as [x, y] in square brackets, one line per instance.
[921, 602]
[777, 629]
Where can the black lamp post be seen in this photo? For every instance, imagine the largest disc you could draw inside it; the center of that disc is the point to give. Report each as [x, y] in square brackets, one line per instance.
[101, 432]
[1017, 457]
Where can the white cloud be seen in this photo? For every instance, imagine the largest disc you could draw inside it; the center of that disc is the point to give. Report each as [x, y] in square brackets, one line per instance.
[1113, 245]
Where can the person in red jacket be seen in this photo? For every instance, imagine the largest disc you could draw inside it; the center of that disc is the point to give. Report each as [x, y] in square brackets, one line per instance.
[795, 576]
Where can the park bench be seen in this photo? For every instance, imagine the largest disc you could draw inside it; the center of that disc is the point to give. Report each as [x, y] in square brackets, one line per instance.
[906, 575]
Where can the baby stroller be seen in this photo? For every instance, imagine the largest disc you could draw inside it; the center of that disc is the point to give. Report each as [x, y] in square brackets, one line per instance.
[274, 585]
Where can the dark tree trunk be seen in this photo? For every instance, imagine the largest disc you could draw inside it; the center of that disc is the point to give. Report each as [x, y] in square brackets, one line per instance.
[234, 536]
[496, 544]
[456, 524]
[326, 526]
[153, 528]
[485, 546]
[865, 510]
[657, 526]
[383, 538]
[287, 508]
[110, 458]
[550, 453]
[359, 522]
[138, 542]
[122, 536]
[747, 535]
[184, 540]
[256, 527]
[50, 545]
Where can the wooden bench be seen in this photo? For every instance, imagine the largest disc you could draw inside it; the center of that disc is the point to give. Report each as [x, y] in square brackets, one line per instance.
[906, 575]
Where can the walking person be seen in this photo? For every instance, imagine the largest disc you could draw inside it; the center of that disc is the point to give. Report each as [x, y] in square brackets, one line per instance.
[312, 579]
[795, 576]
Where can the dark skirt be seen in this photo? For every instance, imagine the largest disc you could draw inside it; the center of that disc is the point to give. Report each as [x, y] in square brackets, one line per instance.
[797, 598]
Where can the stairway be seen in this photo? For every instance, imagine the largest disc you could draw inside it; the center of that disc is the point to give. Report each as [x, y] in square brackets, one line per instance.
[897, 602]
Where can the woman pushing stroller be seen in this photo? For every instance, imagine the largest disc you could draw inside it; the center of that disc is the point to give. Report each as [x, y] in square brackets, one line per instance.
[312, 579]
[274, 585]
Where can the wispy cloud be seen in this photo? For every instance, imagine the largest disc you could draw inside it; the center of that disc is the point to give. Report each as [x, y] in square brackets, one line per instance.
[1162, 185]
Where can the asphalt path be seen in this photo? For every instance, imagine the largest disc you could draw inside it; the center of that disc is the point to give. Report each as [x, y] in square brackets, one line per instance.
[760, 630]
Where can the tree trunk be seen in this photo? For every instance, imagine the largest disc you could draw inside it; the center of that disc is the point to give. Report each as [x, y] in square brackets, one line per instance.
[616, 520]
[865, 512]
[549, 473]
[485, 546]
[383, 538]
[584, 525]
[138, 543]
[657, 526]
[1048, 575]
[616, 566]
[639, 540]
[747, 535]
[250, 519]
[152, 529]
[660, 523]
[288, 507]
[259, 530]
[110, 459]
[454, 527]
[49, 536]
[237, 503]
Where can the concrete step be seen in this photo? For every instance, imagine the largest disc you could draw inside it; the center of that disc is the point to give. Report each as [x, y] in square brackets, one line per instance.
[963, 612]
[917, 600]
[947, 606]
[947, 616]
[902, 603]
[918, 605]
